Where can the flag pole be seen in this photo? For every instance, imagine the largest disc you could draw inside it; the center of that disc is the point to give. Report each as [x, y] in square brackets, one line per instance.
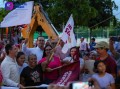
[53, 50]
[28, 87]
[50, 58]
[51, 55]
[58, 42]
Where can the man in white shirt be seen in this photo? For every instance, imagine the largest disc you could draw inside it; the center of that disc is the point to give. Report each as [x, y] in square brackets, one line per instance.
[83, 46]
[9, 67]
[38, 51]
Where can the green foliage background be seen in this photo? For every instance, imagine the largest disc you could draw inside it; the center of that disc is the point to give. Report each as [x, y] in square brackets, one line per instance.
[86, 13]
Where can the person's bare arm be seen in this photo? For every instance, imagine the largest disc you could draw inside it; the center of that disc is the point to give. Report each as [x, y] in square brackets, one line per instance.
[44, 66]
[95, 83]
[113, 86]
[53, 86]
[22, 81]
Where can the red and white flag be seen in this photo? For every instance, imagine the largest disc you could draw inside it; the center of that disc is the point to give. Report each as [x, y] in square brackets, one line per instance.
[68, 35]
[68, 29]
[68, 73]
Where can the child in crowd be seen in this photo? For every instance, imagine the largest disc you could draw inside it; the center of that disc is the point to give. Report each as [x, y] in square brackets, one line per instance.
[20, 58]
[105, 80]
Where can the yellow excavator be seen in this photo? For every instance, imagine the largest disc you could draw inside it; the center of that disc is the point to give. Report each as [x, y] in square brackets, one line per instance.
[39, 18]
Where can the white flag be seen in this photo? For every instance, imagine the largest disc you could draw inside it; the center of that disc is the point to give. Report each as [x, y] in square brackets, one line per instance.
[69, 44]
[68, 30]
[21, 15]
[68, 35]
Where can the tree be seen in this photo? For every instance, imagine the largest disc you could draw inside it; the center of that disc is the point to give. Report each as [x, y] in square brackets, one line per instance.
[104, 9]
[3, 13]
[85, 12]
[60, 10]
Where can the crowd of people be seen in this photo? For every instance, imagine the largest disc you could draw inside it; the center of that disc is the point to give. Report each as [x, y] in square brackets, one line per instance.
[22, 66]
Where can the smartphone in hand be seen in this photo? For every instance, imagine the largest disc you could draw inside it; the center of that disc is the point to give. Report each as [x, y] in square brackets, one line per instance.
[80, 85]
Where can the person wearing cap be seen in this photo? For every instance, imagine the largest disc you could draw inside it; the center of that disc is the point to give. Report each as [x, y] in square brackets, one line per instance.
[102, 47]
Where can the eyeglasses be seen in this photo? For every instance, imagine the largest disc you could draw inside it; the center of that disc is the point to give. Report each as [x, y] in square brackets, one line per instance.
[48, 49]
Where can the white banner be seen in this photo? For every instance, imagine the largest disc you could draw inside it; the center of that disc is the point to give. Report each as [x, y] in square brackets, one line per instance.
[68, 35]
[21, 15]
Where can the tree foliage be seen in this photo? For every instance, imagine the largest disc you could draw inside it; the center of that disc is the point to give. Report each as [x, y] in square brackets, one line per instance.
[60, 10]
[85, 12]
[105, 11]
[3, 13]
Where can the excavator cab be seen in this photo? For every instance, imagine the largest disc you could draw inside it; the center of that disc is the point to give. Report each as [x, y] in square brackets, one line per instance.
[39, 18]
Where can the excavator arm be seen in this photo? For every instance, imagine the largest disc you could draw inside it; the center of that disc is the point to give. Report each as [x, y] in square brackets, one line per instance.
[39, 18]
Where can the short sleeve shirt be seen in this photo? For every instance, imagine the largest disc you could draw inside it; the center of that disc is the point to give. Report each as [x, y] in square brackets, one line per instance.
[32, 77]
[111, 66]
[104, 81]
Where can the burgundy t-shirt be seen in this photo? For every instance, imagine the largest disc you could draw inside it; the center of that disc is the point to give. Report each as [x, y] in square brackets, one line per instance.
[111, 66]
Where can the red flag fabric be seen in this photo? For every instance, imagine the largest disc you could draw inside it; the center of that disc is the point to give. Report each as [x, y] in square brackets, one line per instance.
[68, 73]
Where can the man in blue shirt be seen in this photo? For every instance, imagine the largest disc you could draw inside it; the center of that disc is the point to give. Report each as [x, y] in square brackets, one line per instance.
[92, 44]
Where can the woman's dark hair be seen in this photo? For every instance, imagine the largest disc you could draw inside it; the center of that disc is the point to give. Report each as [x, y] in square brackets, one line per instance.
[77, 52]
[44, 54]
[71, 49]
[19, 54]
[96, 65]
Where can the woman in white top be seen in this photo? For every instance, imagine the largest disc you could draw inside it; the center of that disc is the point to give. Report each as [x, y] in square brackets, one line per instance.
[70, 59]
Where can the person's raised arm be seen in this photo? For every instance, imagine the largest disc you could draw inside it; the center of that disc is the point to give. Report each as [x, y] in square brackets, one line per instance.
[24, 47]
